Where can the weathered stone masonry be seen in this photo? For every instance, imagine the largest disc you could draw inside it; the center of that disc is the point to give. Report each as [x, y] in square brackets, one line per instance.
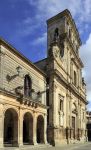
[44, 102]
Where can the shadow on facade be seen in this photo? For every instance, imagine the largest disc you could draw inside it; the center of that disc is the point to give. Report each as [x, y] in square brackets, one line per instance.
[28, 129]
[11, 127]
[40, 129]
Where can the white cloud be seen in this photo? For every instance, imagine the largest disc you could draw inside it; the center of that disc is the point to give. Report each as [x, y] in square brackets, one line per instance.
[28, 26]
[80, 10]
[51, 7]
[40, 40]
[85, 53]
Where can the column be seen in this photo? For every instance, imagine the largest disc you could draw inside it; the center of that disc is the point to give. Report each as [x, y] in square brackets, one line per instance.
[45, 129]
[70, 110]
[55, 109]
[72, 133]
[67, 108]
[20, 128]
[34, 129]
[1, 126]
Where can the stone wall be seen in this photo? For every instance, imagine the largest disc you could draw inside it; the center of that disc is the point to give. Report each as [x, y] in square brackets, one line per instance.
[8, 67]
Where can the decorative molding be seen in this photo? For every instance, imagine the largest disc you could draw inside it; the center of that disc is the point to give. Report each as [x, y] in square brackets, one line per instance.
[2, 51]
[23, 100]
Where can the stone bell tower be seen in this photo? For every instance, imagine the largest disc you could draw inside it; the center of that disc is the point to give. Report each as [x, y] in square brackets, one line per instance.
[64, 77]
[55, 28]
[61, 28]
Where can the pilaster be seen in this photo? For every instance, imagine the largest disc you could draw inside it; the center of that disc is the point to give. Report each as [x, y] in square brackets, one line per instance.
[20, 129]
[45, 129]
[34, 129]
[54, 105]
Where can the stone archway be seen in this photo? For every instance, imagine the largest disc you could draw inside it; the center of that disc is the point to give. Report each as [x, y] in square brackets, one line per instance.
[11, 127]
[40, 129]
[28, 128]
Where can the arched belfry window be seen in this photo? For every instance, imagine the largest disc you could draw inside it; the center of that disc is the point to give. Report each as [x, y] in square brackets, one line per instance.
[56, 34]
[75, 78]
[27, 85]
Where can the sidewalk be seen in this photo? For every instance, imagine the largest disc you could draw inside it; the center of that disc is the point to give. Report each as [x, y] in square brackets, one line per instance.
[71, 146]
[48, 147]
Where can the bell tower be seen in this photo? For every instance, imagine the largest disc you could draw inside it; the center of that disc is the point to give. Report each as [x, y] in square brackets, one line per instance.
[61, 28]
[63, 69]
[55, 28]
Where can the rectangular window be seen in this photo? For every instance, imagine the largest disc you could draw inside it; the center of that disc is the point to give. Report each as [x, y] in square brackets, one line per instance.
[75, 78]
[61, 101]
[61, 105]
[61, 109]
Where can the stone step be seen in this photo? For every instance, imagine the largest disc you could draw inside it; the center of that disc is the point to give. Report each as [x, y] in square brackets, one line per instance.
[35, 146]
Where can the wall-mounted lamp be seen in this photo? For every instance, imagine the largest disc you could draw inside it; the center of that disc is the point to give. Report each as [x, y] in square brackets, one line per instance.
[9, 78]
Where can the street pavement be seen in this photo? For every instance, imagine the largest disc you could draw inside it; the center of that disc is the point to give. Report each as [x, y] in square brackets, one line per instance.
[86, 146]
[83, 146]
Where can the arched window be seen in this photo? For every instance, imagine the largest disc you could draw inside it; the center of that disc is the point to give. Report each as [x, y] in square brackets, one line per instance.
[27, 85]
[56, 34]
[75, 78]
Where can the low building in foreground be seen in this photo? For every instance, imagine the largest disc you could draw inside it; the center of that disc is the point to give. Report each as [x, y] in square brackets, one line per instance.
[44, 102]
[23, 109]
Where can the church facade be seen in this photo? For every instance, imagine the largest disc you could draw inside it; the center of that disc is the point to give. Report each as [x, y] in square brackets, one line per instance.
[44, 102]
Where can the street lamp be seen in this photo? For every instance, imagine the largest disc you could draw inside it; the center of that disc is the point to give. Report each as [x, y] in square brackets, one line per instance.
[9, 78]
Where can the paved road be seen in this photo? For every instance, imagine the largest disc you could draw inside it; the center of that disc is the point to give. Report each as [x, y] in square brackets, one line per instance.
[85, 146]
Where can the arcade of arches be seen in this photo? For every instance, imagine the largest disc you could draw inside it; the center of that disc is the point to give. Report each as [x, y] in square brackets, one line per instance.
[27, 129]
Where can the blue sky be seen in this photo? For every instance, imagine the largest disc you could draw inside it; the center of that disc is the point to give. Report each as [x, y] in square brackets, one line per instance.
[23, 24]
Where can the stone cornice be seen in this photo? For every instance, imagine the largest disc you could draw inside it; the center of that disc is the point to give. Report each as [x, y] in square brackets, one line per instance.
[2, 51]
[23, 100]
